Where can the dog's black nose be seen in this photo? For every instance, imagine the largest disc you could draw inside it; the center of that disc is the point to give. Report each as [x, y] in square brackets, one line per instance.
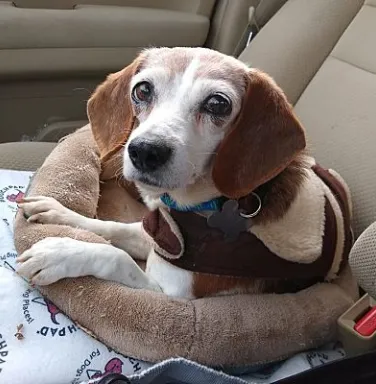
[148, 157]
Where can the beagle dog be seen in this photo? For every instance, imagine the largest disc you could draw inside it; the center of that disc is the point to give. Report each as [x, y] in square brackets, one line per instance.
[218, 156]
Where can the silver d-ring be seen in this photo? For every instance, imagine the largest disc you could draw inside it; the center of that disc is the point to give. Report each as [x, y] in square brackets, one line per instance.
[256, 212]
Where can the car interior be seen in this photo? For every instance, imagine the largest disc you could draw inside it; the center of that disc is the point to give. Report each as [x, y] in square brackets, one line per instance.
[321, 52]
[66, 48]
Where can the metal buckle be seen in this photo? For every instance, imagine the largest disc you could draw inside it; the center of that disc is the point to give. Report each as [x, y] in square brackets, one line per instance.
[256, 212]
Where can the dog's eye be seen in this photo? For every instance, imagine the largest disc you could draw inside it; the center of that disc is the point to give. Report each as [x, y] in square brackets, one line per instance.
[217, 105]
[142, 92]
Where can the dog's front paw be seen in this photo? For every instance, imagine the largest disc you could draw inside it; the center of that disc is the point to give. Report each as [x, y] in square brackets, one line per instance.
[47, 210]
[46, 261]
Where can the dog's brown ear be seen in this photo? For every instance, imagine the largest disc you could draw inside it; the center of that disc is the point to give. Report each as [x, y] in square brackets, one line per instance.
[110, 111]
[265, 138]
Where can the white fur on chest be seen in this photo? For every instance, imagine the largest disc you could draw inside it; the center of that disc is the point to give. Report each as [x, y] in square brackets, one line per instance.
[173, 281]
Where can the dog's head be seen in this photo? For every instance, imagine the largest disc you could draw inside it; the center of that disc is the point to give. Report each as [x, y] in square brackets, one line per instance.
[196, 114]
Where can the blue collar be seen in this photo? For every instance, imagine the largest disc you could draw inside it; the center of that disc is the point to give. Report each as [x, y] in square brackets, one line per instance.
[211, 205]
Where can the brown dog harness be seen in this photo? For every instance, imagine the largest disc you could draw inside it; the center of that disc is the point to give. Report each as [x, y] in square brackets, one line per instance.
[187, 241]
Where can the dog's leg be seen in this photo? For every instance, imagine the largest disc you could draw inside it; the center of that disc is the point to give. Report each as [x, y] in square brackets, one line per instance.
[55, 258]
[47, 210]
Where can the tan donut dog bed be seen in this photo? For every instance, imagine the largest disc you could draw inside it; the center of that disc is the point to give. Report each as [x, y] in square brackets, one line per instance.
[222, 331]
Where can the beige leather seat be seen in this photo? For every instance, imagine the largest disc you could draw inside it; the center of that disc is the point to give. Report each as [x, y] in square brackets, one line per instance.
[54, 53]
[322, 54]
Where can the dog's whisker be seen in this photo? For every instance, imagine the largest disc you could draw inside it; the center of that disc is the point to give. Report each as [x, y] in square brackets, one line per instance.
[118, 174]
[193, 165]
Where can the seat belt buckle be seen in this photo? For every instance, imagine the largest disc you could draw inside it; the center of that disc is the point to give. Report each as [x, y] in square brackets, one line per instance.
[366, 326]
[357, 327]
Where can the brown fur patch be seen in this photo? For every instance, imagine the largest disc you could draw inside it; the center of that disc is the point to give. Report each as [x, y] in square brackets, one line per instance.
[265, 139]
[111, 114]
[211, 64]
[124, 209]
[172, 60]
[278, 194]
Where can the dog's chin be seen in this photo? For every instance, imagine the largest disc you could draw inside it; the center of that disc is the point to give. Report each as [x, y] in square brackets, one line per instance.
[149, 182]
[160, 185]
[155, 183]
